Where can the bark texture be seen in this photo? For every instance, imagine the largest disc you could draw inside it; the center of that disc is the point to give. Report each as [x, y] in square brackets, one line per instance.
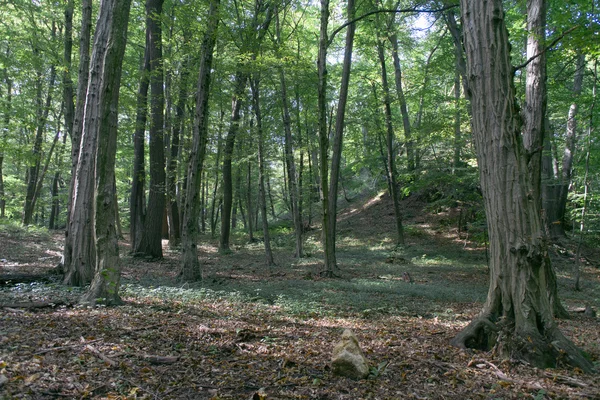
[190, 266]
[100, 126]
[517, 319]
[78, 259]
[151, 242]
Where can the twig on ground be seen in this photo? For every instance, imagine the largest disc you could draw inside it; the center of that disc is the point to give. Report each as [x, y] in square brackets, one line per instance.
[43, 351]
[101, 356]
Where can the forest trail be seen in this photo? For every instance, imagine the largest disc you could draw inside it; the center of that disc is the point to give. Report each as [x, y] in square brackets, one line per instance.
[247, 327]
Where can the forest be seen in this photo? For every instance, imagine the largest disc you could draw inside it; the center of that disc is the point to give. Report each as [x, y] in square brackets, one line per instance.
[224, 198]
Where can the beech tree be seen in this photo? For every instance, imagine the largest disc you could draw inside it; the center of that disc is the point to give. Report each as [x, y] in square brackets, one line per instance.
[517, 317]
[190, 266]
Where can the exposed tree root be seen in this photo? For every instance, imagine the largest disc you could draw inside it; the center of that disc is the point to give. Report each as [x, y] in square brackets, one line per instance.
[543, 351]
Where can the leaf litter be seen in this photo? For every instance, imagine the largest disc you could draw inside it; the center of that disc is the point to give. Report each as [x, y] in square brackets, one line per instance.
[244, 333]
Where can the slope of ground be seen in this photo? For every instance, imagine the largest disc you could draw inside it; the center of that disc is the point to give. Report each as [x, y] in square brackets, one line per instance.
[246, 327]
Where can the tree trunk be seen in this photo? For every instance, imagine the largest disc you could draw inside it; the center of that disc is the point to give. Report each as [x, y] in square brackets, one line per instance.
[43, 108]
[556, 191]
[137, 199]
[190, 266]
[410, 152]
[391, 163]
[336, 154]
[101, 119]
[2, 196]
[172, 204]
[151, 242]
[289, 157]
[517, 317]
[328, 246]
[236, 105]
[78, 267]
[262, 198]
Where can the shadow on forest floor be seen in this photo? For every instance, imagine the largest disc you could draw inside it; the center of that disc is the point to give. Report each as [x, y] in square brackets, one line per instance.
[247, 326]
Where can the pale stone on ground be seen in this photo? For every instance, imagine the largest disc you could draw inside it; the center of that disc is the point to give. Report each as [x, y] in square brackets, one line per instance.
[348, 359]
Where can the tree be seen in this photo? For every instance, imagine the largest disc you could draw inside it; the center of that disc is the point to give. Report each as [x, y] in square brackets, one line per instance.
[389, 137]
[252, 34]
[151, 241]
[99, 138]
[190, 266]
[517, 317]
[290, 163]
[79, 256]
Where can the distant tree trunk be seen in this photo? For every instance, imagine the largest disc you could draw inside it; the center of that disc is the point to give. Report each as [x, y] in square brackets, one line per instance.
[236, 105]
[190, 266]
[391, 164]
[172, 204]
[289, 156]
[43, 108]
[255, 32]
[556, 193]
[457, 131]
[101, 119]
[249, 201]
[213, 214]
[410, 152]
[517, 317]
[137, 198]
[254, 84]
[78, 267]
[2, 196]
[151, 242]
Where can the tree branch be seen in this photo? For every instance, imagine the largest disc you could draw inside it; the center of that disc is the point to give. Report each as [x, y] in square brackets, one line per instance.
[395, 11]
[558, 39]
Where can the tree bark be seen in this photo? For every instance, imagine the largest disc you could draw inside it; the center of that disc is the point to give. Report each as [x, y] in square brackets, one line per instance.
[101, 119]
[151, 242]
[190, 266]
[78, 258]
[336, 154]
[328, 246]
[137, 198]
[517, 318]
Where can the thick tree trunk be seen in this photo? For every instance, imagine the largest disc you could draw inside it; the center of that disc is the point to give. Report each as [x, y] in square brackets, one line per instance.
[517, 317]
[151, 242]
[100, 131]
[77, 265]
[137, 198]
[190, 266]
[391, 163]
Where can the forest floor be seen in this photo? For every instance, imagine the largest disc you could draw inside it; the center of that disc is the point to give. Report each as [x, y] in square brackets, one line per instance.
[247, 327]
